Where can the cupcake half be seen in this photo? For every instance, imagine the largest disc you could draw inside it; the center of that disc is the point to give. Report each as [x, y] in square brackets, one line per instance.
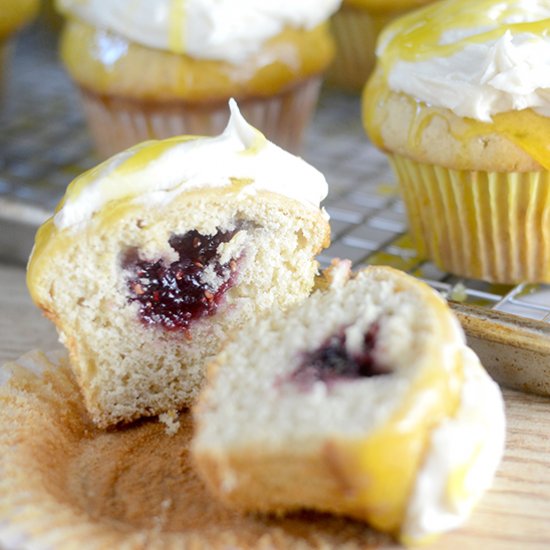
[459, 101]
[362, 401]
[157, 69]
[155, 255]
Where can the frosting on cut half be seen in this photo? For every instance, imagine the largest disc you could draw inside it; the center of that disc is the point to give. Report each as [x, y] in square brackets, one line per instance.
[155, 172]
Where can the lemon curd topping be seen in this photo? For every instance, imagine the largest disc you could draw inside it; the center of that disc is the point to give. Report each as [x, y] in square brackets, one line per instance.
[441, 426]
[176, 37]
[388, 480]
[161, 169]
[384, 6]
[428, 33]
[487, 65]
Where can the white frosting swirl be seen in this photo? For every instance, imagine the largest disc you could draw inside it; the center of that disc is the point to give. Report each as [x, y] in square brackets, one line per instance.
[478, 79]
[228, 30]
[155, 172]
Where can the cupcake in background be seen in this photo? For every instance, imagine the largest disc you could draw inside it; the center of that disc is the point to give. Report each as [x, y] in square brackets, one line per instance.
[50, 16]
[460, 101]
[14, 14]
[356, 27]
[157, 69]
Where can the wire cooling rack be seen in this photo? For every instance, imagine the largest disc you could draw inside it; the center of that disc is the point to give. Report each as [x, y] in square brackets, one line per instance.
[44, 144]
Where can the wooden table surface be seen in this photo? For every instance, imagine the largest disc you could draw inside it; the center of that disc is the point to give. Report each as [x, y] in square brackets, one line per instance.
[514, 515]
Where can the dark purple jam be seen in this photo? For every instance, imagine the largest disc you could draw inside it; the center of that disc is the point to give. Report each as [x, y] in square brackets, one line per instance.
[174, 295]
[332, 362]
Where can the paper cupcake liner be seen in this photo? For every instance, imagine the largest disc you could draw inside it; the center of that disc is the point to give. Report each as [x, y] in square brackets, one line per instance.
[355, 32]
[117, 123]
[65, 484]
[482, 225]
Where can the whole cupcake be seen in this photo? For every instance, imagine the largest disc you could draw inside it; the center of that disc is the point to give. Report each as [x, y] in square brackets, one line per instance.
[460, 100]
[356, 26]
[157, 69]
[13, 15]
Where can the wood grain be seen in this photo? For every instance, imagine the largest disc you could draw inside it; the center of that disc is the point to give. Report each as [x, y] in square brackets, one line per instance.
[514, 515]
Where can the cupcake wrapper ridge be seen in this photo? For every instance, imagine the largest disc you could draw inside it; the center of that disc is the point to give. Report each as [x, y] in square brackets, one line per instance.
[355, 35]
[117, 123]
[484, 225]
[355, 32]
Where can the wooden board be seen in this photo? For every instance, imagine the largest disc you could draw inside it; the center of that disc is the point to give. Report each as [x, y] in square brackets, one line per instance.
[514, 515]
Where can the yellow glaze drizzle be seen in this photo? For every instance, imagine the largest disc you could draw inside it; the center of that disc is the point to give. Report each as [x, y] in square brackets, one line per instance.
[377, 466]
[417, 36]
[176, 37]
[47, 240]
[385, 6]
[457, 489]
[527, 129]
[379, 478]
[139, 156]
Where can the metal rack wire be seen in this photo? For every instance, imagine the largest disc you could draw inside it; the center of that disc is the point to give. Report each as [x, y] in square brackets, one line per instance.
[44, 144]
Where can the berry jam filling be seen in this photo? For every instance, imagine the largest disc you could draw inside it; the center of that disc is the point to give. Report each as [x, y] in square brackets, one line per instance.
[174, 295]
[332, 362]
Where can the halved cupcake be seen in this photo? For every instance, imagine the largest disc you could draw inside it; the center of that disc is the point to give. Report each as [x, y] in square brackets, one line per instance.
[363, 401]
[153, 256]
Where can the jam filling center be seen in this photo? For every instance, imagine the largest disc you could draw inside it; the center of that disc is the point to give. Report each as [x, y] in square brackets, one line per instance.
[173, 295]
[333, 362]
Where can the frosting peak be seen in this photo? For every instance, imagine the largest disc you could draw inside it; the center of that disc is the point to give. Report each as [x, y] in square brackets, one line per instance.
[476, 58]
[239, 127]
[156, 171]
[228, 30]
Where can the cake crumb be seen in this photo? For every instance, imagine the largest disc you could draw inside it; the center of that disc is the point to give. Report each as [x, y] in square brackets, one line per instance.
[159, 521]
[334, 276]
[170, 420]
[458, 293]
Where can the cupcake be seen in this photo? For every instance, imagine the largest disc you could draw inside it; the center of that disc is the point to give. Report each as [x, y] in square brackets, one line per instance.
[154, 256]
[157, 69]
[13, 15]
[460, 102]
[363, 401]
[356, 27]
